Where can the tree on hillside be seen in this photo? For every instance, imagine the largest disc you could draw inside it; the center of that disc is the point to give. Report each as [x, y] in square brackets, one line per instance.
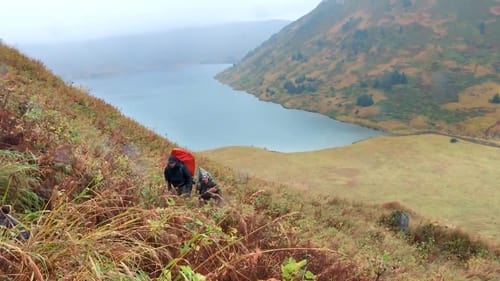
[289, 87]
[298, 56]
[300, 79]
[482, 28]
[347, 25]
[360, 34]
[495, 99]
[382, 32]
[387, 80]
[364, 100]
[406, 3]
[403, 79]
[292, 89]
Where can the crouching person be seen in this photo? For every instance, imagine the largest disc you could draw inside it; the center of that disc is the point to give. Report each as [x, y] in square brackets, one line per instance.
[9, 222]
[177, 176]
[207, 187]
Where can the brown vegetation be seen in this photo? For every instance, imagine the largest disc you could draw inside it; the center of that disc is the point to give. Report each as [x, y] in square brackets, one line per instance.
[87, 183]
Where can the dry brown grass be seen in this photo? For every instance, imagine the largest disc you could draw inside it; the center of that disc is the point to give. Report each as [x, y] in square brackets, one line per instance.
[107, 216]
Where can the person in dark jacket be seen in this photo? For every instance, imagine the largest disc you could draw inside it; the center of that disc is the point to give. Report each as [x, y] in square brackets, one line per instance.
[9, 222]
[178, 177]
[207, 187]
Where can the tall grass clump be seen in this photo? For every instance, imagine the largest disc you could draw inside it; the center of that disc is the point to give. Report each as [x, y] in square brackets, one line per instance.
[18, 179]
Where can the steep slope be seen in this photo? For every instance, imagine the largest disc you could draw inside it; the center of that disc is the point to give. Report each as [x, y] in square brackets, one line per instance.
[87, 182]
[425, 65]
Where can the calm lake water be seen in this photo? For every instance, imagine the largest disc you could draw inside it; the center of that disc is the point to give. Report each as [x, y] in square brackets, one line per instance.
[188, 106]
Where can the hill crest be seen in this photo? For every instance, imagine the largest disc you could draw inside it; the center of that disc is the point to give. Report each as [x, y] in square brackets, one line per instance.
[425, 65]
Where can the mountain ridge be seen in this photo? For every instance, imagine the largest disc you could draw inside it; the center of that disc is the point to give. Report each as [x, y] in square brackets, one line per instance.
[425, 65]
[154, 50]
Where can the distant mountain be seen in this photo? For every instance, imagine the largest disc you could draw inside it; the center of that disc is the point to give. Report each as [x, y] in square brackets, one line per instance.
[399, 65]
[226, 43]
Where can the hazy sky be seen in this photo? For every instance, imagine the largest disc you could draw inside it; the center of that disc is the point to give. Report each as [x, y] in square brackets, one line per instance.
[67, 20]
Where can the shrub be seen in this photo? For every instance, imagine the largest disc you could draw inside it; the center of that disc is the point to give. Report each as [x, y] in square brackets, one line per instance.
[482, 28]
[302, 84]
[495, 99]
[298, 56]
[364, 100]
[292, 89]
[300, 79]
[462, 246]
[18, 179]
[3, 69]
[452, 242]
[399, 220]
[292, 270]
[407, 3]
[389, 79]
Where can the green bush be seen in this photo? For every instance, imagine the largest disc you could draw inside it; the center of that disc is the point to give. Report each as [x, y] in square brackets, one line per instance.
[462, 247]
[18, 179]
[397, 220]
[389, 79]
[452, 242]
[298, 56]
[406, 3]
[364, 100]
[292, 270]
[482, 28]
[300, 79]
[495, 99]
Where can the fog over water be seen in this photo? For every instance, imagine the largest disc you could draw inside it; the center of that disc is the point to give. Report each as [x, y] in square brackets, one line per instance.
[49, 21]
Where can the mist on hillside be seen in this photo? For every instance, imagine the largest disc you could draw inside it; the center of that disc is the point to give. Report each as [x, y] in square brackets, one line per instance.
[225, 44]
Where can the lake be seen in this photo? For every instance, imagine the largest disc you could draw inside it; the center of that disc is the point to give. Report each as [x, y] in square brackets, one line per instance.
[188, 106]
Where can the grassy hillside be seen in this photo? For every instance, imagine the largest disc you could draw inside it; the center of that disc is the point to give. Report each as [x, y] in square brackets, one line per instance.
[87, 182]
[455, 183]
[399, 65]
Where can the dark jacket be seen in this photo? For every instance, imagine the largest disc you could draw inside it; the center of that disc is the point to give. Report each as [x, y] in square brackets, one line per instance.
[8, 221]
[178, 176]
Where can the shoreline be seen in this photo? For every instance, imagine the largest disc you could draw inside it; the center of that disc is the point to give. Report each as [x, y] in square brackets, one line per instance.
[481, 141]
